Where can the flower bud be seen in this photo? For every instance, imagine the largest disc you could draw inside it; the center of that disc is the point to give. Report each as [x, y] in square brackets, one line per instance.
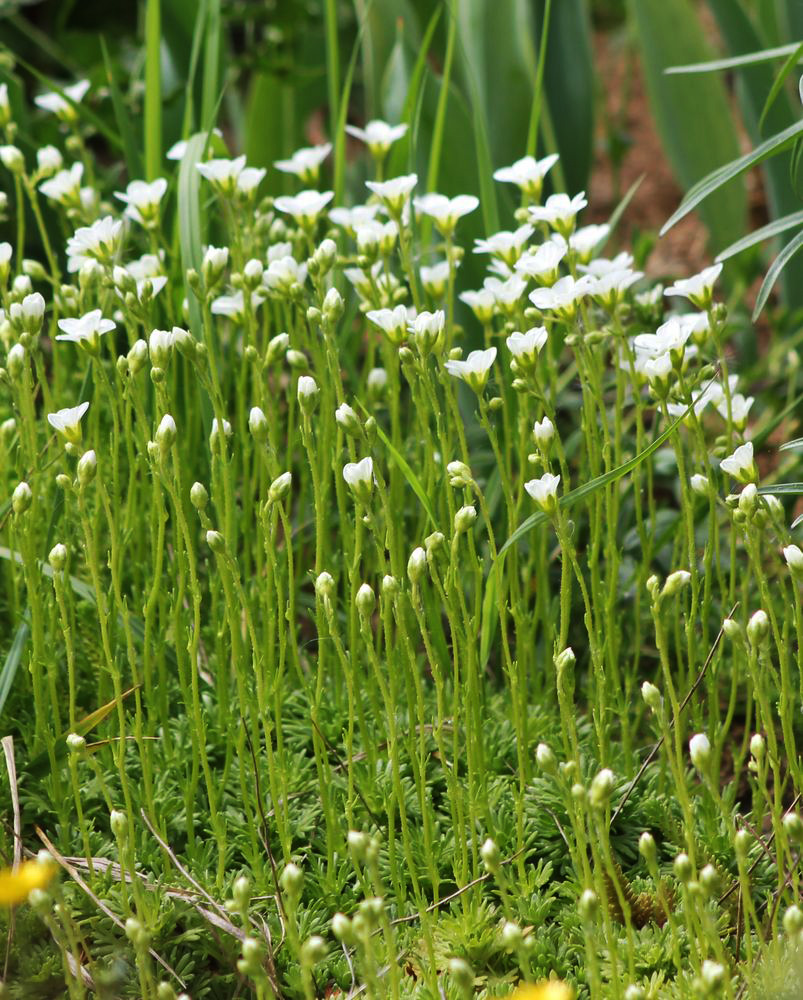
[544, 432]
[700, 751]
[588, 905]
[87, 468]
[710, 880]
[545, 758]
[675, 582]
[365, 600]
[21, 498]
[652, 696]
[464, 519]
[682, 867]
[119, 824]
[333, 306]
[199, 497]
[325, 585]
[258, 425]
[15, 361]
[511, 935]
[313, 950]
[757, 746]
[348, 421]
[342, 928]
[58, 557]
[215, 541]
[758, 628]
[390, 587]
[491, 856]
[742, 842]
[280, 487]
[292, 880]
[646, 847]
[416, 565]
[12, 159]
[75, 743]
[793, 920]
[794, 560]
[602, 788]
[462, 973]
[166, 433]
[307, 393]
[793, 826]
[699, 484]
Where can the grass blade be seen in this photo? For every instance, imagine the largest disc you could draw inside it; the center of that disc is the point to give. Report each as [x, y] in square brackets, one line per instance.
[774, 272]
[759, 235]
[12, 662]
[721, 175]
[152, 122]
[781, 488]
[734, 62]
[795, 445]
[133, 159]
[779, 81]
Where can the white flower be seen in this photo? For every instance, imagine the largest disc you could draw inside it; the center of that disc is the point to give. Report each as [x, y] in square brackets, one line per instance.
[359, 477]
[794, 558]
[68, 421]
[525, 347]
[700, 399]
[543, 432]
[609, 289]
[657, 369]
[445, 211]
[305, 207]
[584, 241]
[527, 173]
[378, 136]
[305, 163]
[435, 278]
[48, 159]
[740, 464]
[284, 273]
[506, 245]
[601, 266]
[65, 187]
[352, 218]
[699, 288]
[12, 159]
[482, 303]
[373, 235]
[508, 293]
[669, 338]
[559, 211]
[233, 305]
[307, 386]
[222, 174]
[740, 408]
[542, 263]
[392, 322]
[544, 491]
[563, 296]
[426, 330]
[142, 200]
[87, 330]
[57, 105]
[475, 369]
[377, 380]
[249, 179]
[700, 751]
[97, 242]
[178, 149]
[394, 192]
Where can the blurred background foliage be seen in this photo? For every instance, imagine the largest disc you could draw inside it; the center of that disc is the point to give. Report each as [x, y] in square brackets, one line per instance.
[276, 75]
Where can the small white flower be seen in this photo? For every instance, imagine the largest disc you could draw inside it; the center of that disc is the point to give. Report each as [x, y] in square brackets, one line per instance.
[544, 491]
[305, 163]
[65, 187]
[97, 242]
[741, 464]
[68, 421]
[378, 136]
[359, 477]
[305, 207]
[222, 174]
[527, 174]
[178, 149]
[426, 330]
[27, 315]
[48, 159]
[508, 293]
[669, 338]
[352, 218]
[445, 211]
[394, 192]
[506, 245]
[249, 179]
[435, 278]
[87, 330]
[699, 484]
[525, 347]
[601, 266]
[377, 380]
[559, 211]
[307, 386]
[482, 303]
[284, 273]
[584, 241]
[233, 305]
[700, 751]
[794, 558]
[373, 236]
[740, 408]
[657, 369]
[475, 369]
[699, 288]
[543, 432]
[142, 200]
[57, 105]
[542, 263]
[609, 289]
[563, 296]
[392, 322]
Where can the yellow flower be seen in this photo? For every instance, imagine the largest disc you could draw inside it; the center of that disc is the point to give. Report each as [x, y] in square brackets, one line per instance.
[15, 886]
[551, 989]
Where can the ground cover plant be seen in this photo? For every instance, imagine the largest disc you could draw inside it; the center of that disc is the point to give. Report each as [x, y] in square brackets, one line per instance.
[370, 630]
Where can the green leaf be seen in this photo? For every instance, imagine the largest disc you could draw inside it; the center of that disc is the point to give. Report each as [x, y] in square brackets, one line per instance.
[791, 248]
[759, 235]
[693, 116]
[710, 183]
[13, 660]
[490, 616]
[781, 488]
[735, 62]
[796, 445]
[779, 81]
[342, 114]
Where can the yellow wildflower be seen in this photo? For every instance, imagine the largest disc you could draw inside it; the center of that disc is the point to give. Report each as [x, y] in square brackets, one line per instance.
[16, 885]
[549, 989]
